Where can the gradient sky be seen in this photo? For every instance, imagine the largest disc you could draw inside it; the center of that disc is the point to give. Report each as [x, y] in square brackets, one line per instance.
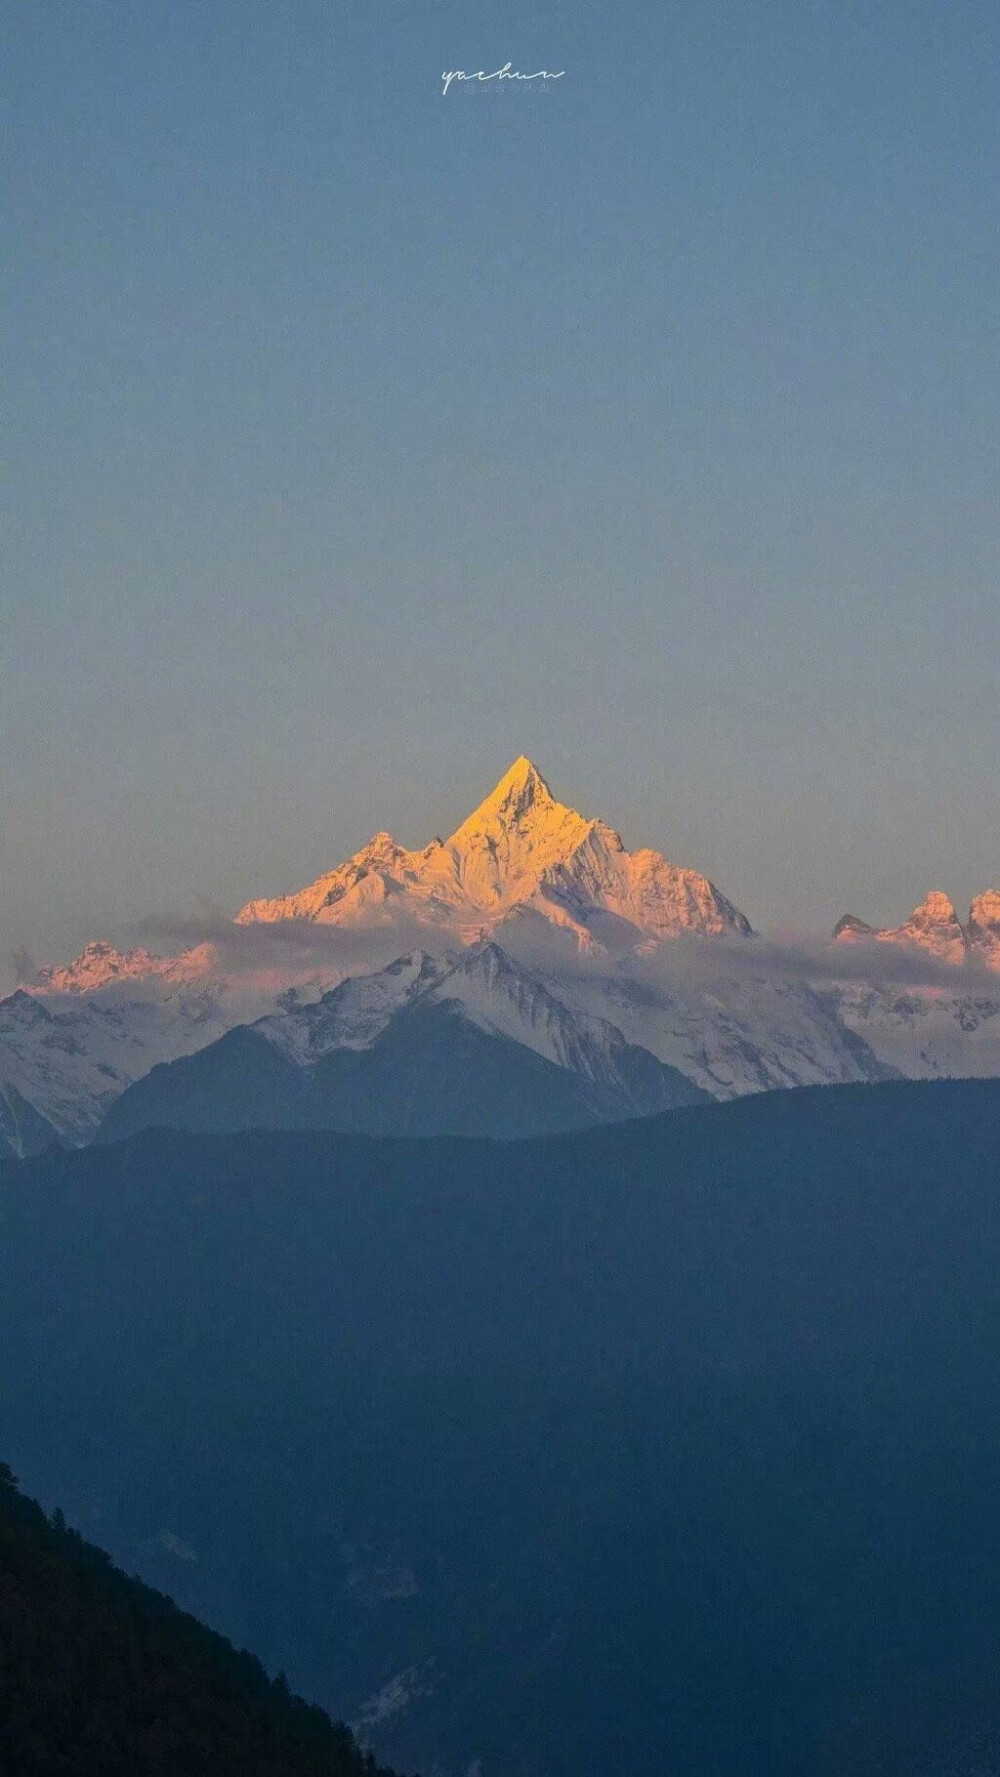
[362, 439]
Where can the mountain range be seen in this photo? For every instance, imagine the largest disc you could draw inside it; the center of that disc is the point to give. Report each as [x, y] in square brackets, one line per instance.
[520, 853]
[528, 973]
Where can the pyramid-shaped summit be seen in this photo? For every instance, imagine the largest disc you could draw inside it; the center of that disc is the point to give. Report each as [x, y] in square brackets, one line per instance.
[520, 789]
[506, 847]
[520, 850]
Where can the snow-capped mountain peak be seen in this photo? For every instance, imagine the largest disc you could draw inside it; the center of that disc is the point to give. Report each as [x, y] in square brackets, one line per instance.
[521, 789]
[100, 964]
[353, 1014]
[849, 929]
[934, 927]
[519, 849]
[358, 887]
[503, 850]
[984, 928]
[478, 925]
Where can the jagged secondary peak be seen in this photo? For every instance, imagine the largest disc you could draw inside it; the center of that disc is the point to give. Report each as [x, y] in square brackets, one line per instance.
[984, 914]
[380, 868]
[850, 926]
[935, 909]
[353, 1014]
[97, 962]
[489, 963]
[100, 964]
[984, 928]
[933, 926]
[381, 845]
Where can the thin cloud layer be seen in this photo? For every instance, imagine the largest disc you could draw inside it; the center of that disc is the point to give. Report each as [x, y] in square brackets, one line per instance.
[300, 945]
[292, 942]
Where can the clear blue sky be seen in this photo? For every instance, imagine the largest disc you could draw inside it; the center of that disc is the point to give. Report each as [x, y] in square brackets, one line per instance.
[361, 439]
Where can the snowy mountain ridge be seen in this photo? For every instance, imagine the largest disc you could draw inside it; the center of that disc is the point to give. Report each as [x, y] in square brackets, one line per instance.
[934, 927]
[520, 849]
[484, 985]
[531, 924]
[100, 964]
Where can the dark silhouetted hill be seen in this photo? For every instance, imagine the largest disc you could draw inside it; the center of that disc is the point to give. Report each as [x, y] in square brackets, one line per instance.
[100, 1674]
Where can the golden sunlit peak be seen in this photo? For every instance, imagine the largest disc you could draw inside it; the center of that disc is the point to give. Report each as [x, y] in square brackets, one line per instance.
[522, 794]
[523, 776]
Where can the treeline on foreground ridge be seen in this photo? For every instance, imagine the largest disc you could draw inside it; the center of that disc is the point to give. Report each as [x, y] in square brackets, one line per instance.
[100, 1674]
